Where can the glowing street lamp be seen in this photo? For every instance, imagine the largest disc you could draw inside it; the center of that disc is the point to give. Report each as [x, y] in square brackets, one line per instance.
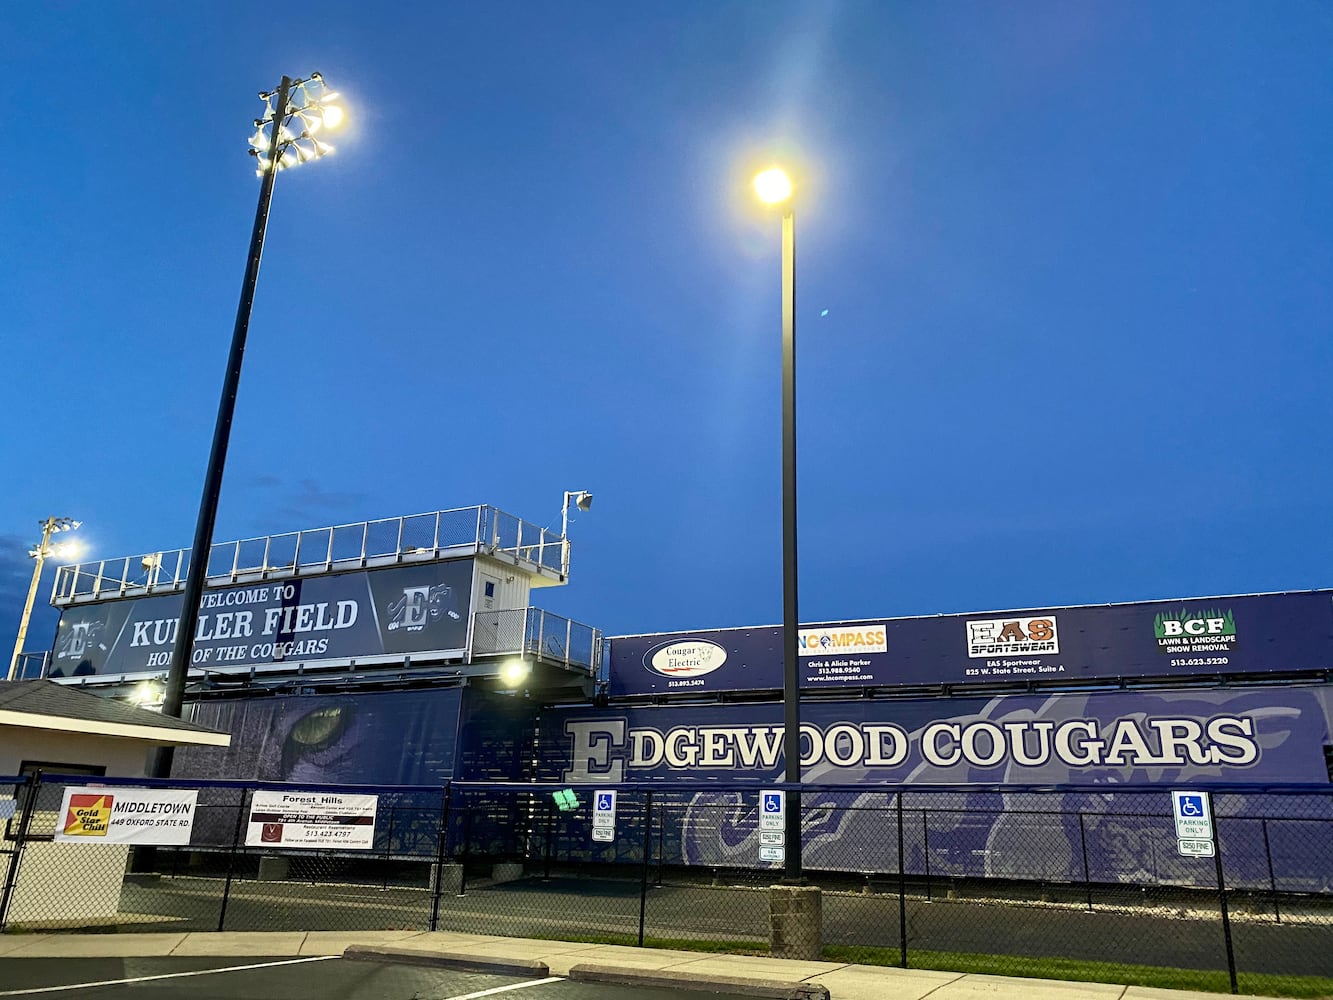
[51, 526]
[774, 187]
[289, 133]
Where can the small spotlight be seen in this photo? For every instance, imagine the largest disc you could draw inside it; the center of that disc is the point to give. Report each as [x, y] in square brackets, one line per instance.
[514, 672]
[583, 501]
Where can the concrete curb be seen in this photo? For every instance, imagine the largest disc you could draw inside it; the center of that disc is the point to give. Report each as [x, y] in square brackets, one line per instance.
[464, 962]
[628, 976]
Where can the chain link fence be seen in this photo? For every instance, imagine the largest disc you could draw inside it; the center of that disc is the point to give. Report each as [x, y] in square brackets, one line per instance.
[1079, 882]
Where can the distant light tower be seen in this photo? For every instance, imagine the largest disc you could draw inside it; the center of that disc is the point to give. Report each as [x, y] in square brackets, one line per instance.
[51, 526]
[276, 145]
[774, 187]
[583, 501]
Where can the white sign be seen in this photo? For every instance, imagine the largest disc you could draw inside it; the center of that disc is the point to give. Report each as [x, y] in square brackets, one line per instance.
[1193, 816]
[772, 854]
[772, 838]
[312, 819]
[772, 810]
[163, 816]
[604, 834]
[604, 810]
[1196, 848]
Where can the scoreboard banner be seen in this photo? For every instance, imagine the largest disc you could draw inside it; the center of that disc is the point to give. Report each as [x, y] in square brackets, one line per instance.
[1251, 634]
[403, 609]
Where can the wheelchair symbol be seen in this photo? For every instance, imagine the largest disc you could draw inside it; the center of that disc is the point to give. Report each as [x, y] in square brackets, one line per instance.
[1191, 805]
[772, 804]
[603, 803]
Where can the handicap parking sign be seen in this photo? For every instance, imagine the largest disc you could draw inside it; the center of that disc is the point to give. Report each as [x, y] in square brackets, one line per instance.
[604, 802]
[1193, 818]
[772, 809]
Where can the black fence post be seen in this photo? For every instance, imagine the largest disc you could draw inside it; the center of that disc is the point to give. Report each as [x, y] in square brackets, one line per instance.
[467, 847]
[388, 853]
[550, 829]
[661, 839]
[902, 889]
[1222, 895]
[647, 853]
[441, 852]
[33, 782]
[925, 849]
[1272, 879]
[231, 859]
[1087, 877]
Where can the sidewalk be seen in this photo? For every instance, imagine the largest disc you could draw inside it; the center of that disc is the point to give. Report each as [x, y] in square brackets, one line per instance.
[605, 963]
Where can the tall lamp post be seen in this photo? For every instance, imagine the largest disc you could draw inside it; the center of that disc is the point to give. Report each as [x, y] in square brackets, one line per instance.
[773, 187]
[285, 137]
[51, 526]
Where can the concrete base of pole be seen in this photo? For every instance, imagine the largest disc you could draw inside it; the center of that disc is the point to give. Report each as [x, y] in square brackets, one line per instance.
[795, 921]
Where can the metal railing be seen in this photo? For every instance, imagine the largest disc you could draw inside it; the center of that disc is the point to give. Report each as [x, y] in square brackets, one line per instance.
[389, 541]
[540, 635]
[31, 666]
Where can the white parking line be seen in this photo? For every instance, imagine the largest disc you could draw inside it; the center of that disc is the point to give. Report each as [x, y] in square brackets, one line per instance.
[166, 975]
[500, 989]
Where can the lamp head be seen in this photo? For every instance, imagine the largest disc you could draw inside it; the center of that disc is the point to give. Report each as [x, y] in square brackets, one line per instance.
[773, 186]
[514, 672]
[583, 501]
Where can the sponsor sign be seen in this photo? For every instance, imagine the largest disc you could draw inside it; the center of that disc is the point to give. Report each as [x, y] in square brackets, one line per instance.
[90, 815]
[1250, 634]
[404, 609]
[325, 820]
[1193, 815]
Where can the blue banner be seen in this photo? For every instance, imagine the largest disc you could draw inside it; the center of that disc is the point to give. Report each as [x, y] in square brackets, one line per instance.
[1249, 634]
[1121, 737]
[400, 610]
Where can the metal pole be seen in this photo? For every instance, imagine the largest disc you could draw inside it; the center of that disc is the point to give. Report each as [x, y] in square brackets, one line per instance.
[647, 852]
[1087, 876]
[1272, 879]
[48, 526]
[791, 695]
[902, 890]
[1222, 896]
[196, 574]
[231, 860]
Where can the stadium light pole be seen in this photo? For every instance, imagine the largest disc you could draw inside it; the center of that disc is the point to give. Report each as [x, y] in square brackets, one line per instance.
[583, 501]
[277, 144]
[774, 187]
[51, 526]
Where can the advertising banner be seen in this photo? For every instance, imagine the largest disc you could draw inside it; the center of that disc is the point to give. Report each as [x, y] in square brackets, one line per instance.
[162, 816]
[403, 609]
[1111, 737]
[324, 820]
[1250, 634]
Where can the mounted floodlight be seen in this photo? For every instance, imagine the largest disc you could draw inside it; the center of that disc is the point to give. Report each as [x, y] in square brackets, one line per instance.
[40, 552]
[297, 110]
[514, 672]
[583, 501]
[773, 186]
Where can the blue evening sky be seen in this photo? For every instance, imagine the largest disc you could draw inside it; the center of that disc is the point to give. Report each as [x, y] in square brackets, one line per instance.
[1065, 277]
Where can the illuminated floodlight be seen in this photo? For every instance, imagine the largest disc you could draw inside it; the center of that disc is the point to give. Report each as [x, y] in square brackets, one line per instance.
[773, 186]
[307, 107]
[514, 673]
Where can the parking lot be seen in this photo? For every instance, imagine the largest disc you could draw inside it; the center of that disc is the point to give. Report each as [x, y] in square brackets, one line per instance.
[315, 978]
